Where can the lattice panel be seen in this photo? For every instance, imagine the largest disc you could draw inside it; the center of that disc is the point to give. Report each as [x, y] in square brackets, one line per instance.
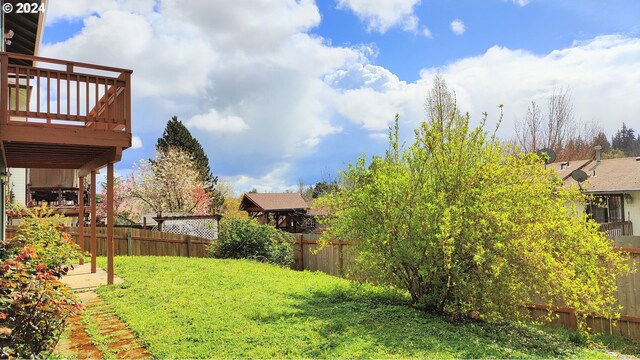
[204, 228]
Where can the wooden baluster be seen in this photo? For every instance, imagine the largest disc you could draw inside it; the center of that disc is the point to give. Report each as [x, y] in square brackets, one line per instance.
[4, 87]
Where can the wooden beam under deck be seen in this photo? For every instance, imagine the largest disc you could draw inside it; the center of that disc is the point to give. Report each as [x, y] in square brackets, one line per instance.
[52, 156]
[69, 135]
[110, 156]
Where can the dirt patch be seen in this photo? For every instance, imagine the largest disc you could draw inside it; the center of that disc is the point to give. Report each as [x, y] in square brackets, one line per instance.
[78, 344]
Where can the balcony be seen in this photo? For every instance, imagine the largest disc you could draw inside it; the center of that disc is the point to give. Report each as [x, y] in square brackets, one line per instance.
[62, 114]
[620, 228]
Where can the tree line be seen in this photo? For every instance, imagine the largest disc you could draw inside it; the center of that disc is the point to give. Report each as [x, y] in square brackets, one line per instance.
[552, 125]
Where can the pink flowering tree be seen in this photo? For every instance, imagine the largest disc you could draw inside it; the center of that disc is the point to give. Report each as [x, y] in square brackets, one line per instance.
[125, 207]
[170, 182]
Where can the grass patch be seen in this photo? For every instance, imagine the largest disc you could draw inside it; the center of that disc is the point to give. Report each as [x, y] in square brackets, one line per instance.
[204, 308]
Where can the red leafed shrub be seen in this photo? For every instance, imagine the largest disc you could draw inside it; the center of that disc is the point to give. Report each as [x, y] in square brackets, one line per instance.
[34, 305]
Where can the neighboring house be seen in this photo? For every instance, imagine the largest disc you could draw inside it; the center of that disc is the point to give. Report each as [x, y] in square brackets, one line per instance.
[615, 186]
[285, 211]
[58, 114]
[315, 214]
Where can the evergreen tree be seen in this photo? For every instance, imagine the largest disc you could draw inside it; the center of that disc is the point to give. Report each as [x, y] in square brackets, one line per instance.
[601, 139]
[625, 141]
[323, 187]
[176, 135]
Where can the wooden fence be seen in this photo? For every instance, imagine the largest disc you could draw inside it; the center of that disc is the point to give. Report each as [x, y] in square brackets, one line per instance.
[336, 259]
[628, 295]
[138, 242]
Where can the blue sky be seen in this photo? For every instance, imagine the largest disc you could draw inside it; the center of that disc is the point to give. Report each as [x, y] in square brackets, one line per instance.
[278, 91]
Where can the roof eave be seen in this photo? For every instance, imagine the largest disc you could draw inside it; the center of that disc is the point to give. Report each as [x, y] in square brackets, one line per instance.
[610, 191]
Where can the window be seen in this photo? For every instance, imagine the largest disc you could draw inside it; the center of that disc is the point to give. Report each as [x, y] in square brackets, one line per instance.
[607, 208]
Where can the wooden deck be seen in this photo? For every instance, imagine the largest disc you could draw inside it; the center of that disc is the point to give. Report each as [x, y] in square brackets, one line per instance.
[62, 114]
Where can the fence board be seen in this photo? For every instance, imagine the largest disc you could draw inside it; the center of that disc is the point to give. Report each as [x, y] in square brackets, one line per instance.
[143, 242]
[337, 258]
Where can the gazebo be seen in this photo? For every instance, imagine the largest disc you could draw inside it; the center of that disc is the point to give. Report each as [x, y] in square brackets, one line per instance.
[285, 211]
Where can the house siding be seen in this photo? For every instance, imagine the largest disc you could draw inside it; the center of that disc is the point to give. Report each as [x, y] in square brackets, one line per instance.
[18, 183]
[18, 179]
[632, 211]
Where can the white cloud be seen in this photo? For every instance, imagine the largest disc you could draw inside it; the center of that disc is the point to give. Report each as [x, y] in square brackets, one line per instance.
[213, 122]
[271, 181]
[251, 61]
[64, 10]
[601, 74]
[426, 33]
[164, 62]
[521, 3]
[375, 110]
[457, 26]
[410, 23]
[381, 15]
[284, 90]
[383, 137]
[363, 75]
[136, 142]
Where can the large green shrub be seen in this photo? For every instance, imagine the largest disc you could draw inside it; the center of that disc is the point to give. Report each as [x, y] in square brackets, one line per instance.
[246, 239]
[471, 227]
[34, 305]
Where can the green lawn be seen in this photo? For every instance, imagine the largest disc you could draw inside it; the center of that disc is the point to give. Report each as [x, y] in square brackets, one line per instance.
[204, 308]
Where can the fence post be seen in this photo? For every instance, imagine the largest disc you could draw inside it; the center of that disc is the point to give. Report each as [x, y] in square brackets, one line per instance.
[340, 258]
[573, 321]
[129, 244]
[188, 246]
[299, 241]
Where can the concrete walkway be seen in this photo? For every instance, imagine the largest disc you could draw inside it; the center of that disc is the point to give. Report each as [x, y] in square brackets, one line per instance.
[81, 279]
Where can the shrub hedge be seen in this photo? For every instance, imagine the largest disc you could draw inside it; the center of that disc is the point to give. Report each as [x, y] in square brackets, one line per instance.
[34, 305]
[246, 239]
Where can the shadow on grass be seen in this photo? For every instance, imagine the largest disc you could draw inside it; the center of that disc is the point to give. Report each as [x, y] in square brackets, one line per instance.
[383, 324]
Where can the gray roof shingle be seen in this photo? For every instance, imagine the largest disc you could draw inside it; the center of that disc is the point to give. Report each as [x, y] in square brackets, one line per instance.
[610, 175]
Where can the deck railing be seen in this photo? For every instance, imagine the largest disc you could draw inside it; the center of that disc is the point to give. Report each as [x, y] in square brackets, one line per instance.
[621, 228]
[63, 93]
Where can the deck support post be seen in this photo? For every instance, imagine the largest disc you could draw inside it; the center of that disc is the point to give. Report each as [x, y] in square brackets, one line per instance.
[81, 217]
[3, 205]
[110, 223]
[93, 245]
